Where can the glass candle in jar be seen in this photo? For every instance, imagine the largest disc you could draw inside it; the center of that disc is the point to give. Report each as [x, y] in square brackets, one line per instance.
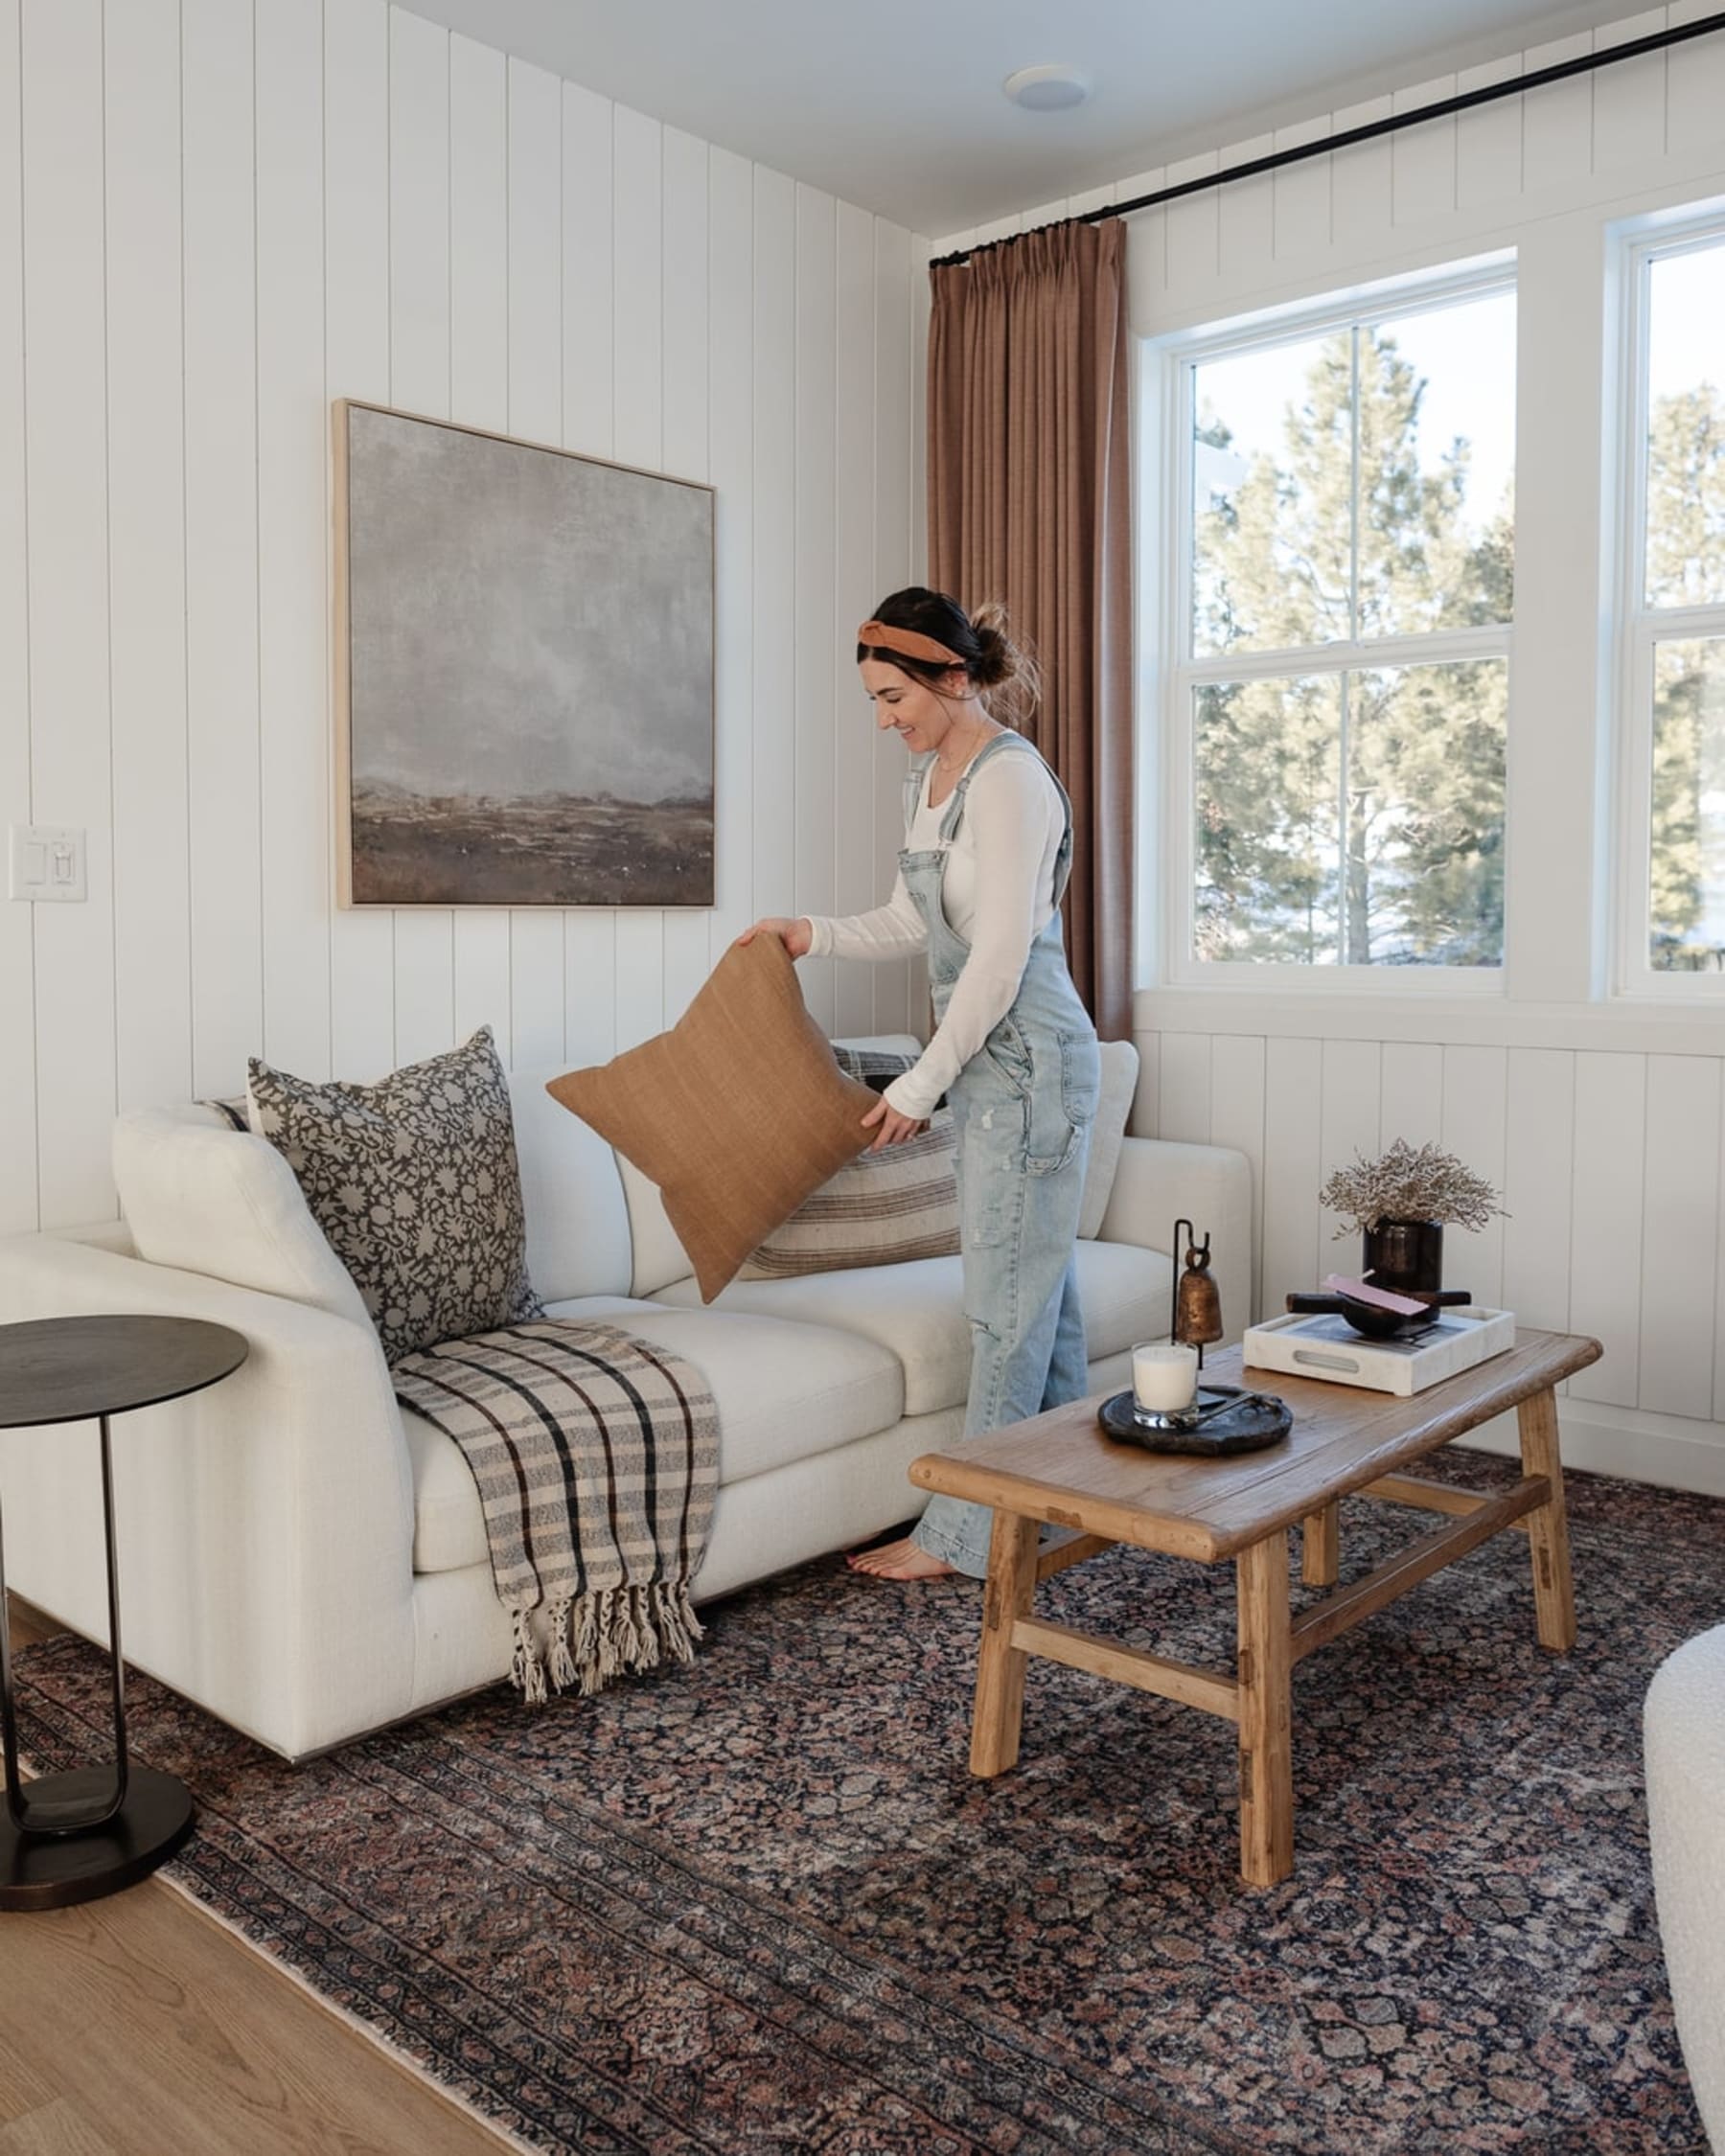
[1164, 1377]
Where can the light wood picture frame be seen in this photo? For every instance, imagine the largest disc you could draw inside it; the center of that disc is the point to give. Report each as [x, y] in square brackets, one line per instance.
[523, 672]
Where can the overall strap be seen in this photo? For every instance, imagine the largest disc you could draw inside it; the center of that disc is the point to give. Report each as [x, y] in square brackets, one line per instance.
[916, 769]
[955, 815]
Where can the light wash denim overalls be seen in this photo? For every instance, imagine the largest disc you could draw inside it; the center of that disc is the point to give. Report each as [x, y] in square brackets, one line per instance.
[1021, 1111]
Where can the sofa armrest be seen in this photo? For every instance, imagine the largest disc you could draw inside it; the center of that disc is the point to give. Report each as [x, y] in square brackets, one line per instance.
[265, 1526]
[1159, 1182]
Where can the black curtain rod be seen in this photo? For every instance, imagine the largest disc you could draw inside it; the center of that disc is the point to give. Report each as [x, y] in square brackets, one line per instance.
[1515, 86]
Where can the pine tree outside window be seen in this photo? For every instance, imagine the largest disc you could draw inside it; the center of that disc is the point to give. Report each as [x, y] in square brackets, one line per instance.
[1342, 607]
[1672, 843]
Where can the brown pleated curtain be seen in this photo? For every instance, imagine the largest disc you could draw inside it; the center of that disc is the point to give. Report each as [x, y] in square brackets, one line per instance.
[1029, 503]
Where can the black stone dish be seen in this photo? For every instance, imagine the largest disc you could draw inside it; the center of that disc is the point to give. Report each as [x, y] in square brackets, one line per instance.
[1372, 1323]
[1235, 1422]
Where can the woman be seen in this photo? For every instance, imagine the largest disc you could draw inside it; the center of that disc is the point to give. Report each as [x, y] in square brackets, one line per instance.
[988, 849]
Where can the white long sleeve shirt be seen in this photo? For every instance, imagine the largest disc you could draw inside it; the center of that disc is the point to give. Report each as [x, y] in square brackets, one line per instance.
[998, 894]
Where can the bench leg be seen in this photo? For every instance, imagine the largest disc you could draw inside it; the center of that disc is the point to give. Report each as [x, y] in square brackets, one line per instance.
[1263, 1674]
[999, 1711]
[1321, 1547]
[1548, 1527]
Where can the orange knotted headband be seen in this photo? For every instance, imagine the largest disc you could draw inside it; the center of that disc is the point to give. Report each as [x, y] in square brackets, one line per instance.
[909, 643]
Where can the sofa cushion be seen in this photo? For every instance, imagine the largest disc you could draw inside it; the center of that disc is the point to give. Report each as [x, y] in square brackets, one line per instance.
[784, 1392]
[1108, 1131]
[415, 1181]
[917, 1310]
[201, 1197]
[736, 1113]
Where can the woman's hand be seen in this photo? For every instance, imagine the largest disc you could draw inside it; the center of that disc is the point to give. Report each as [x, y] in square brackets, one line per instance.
[895, 1129]
[797, 937]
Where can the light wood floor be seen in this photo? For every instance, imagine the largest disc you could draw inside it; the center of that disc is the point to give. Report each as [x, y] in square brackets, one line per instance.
[137, 2026]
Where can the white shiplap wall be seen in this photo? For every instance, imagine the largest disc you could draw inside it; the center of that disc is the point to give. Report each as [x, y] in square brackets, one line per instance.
[223, 216]
[1601, 1121]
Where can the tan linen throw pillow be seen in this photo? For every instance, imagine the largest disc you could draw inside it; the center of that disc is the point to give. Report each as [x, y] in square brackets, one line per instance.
[880, 1208]
[736, 1113]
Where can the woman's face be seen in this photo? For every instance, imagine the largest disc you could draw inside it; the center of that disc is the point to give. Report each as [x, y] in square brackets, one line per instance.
[908, 706]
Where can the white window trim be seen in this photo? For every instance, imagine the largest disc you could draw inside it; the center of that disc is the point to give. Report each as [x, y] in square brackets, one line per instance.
[1166, 482]
[1639, 627]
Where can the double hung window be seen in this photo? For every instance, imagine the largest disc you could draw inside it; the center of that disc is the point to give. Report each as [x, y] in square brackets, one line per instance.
[1674, 659]
[1340, 606]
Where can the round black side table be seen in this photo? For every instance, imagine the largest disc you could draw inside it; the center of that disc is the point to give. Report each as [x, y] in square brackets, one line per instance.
[73, 1837]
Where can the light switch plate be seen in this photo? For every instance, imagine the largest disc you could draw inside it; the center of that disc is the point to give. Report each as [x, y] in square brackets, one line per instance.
[48, 864]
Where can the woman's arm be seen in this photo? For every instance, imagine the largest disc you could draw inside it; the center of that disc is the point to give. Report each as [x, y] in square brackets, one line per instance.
[893, 930]
[1010, 810]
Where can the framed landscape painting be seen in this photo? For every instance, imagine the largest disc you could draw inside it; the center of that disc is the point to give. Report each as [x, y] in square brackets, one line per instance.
[524, 673]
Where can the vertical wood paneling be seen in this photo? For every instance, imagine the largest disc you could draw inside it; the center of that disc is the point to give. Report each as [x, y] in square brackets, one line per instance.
[535, 209]
[146, 555]
[1411, 1095]
[814, 611]
[1186, 1087]
[356, 364]
[219, 153]
[1362, 187]
[892, 1013]
[1302, 194]
[479, 397]
[1194, 229]
[1629, 96]
[588, 348]
[1475, 1083]
[1694, 83]
[293, 451]
[1423, 158]
[637, 289]
[1238, 1121]
[18, 1209]
[1347, 1129]
[775, 679]
[220, 545]
[1557, 120]
[1538, 1163]
[1146, 232]
[1680, 1236]
[374, 208]
[419, 382]
[1293, 1169]
[853, 580]
[684, 272]
[1488, 139]
[730, 404]
[1246, 209]
[69, 657]
[1605, 1232]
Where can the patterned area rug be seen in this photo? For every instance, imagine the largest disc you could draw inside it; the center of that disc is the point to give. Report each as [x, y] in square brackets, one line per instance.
[759, 1904]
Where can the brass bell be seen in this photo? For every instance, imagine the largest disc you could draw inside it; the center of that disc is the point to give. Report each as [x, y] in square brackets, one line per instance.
[1197, 1308]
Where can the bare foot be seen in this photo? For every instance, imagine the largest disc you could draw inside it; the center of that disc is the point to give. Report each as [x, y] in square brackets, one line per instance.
[899, 1560]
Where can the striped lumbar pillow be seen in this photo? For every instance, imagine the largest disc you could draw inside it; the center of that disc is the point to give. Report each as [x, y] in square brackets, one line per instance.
[882, 1209]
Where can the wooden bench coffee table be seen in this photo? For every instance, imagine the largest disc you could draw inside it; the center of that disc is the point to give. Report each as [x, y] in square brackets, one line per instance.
[1060, 1469]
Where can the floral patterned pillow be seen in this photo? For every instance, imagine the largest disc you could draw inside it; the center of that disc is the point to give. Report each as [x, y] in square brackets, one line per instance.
[416, 1185]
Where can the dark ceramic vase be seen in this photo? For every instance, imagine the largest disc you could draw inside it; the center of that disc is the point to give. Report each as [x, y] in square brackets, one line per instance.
[1406, 1256]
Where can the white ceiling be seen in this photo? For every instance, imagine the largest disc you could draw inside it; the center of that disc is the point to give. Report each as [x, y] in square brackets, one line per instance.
[896, 104]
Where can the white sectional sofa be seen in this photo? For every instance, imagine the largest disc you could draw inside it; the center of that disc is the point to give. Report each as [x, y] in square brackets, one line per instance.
[308, 1562]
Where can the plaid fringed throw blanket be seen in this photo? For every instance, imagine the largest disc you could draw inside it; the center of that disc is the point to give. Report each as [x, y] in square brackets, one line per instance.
[597, 1455]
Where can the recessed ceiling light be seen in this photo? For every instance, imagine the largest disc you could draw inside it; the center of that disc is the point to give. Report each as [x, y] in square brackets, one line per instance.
[1046, 89]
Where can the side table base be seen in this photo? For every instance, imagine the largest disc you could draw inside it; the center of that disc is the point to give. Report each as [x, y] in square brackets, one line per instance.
[51, 1872]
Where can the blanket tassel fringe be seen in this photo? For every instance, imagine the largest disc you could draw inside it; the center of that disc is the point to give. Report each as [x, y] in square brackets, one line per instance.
[594, 1637]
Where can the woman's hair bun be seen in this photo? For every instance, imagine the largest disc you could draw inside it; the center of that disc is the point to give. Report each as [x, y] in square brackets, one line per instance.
[1005, 667]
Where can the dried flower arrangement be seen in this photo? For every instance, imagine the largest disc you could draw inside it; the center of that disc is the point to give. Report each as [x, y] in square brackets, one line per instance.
[1409, 1184]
